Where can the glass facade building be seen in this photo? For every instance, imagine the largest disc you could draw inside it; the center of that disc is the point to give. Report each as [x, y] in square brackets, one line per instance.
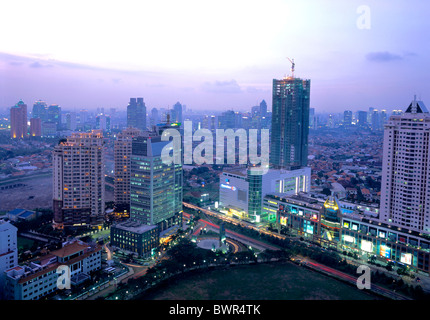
[290, 123]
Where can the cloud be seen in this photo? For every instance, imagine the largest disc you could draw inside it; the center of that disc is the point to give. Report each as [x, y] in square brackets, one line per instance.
[37, 64]
[222, 87]
[382, 56]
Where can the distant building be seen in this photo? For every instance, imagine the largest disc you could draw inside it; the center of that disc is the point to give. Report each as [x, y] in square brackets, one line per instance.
[347, 117]
[362, 119]
[136, 114]
[18, 120]
[21, 215]
[176, 113]
[79, 180]
[35, 127]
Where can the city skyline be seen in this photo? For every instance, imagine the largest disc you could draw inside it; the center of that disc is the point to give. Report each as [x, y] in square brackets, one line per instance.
[212, 56]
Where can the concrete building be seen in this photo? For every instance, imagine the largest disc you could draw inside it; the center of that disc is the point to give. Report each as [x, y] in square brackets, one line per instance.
[38, 277]
[8, 251]
[290, 123]
[18, 120]
[35, 127]
[347, 227]
[122, 160]
[78, 181]
[405, 195]
[241, 194]
[136, 114]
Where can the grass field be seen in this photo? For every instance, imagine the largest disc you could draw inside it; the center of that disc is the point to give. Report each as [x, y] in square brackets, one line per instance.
[283, 281]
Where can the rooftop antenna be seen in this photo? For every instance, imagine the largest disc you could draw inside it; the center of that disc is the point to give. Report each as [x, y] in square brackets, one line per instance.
[292, 66]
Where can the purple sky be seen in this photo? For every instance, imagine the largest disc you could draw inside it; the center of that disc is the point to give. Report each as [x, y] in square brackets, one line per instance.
[213, 55]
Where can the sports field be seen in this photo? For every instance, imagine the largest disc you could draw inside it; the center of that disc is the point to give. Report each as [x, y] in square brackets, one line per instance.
[282, 281]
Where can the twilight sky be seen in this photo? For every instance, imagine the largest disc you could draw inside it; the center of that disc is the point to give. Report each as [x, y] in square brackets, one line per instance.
[213, 54]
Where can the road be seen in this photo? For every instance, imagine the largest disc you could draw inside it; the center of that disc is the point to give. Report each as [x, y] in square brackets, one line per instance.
[353, 280]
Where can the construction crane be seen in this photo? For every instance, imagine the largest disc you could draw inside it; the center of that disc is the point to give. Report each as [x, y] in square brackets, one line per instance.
[292, 66]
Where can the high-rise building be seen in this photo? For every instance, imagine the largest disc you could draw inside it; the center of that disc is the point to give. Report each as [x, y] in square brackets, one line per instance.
[290, 123]
[40, 109]
[35, 127]
[8, 251]
[54, 115]
[155, 185]
[79, 180]
[71, 121]
[103, 122]
[347, 117]
[122, 160]
[405, 195]
[312, 118]
[362, 119]
[18, 120]
[263, 108]
[136, 114]
[155, 119]
[176, 113]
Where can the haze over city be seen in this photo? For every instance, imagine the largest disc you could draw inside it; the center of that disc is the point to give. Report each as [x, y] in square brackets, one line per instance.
[219, 55]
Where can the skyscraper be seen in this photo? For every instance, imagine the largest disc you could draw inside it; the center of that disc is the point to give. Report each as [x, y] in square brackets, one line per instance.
[136, 114]
[122, 160]
[290, 123]
[35, 127]
[176, 113]
[154, 185]
[18, 120]
[347, 117]
[362, 119]
[54, 115]
[79, 180]
[405, 195]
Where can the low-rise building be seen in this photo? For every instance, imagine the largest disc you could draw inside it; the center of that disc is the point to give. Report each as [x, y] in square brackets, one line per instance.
[349, 227]
[38, 278]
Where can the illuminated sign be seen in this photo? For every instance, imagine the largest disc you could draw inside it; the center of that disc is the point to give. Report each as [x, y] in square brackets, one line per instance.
[346, 224]
[406, 258]
[348, 238]
[382, 234]
[309, 229]
[366, 246]
[354, 226]
[283, 221]
[300, 212]
[314, 216]
[225, 186]
[385, 251]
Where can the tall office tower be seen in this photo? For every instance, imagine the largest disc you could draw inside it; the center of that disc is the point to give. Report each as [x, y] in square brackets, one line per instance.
[40, 109]
[54, 115]
[383, 118]
[369, 115]
[227, 120]
[347, 117]
[103, 122]
[8, 251]
[122, 160]
[71, 121]
[18, 120]
[263, 108]
[290, 123]
[405, 193]
[362, 119]
[79, 180]
[397, 112]
[155, 119]
[375, 121]
[136, 114]
[35, 127]
[176, 113]
[83, 116]
[154, 185]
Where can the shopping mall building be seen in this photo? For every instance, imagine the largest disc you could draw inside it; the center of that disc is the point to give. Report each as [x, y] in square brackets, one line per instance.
[348, 227]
